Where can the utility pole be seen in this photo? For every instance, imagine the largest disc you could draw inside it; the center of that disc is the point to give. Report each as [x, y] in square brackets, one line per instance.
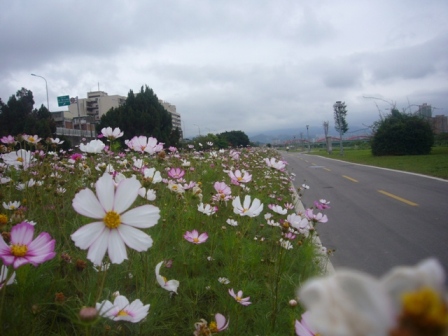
[308, 138]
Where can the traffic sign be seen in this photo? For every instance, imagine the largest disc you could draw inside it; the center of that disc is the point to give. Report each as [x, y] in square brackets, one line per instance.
[64, 101]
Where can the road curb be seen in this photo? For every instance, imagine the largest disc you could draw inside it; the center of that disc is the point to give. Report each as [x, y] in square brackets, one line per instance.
[326, 264]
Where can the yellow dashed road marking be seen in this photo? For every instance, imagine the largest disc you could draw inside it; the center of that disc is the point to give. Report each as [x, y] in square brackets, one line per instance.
[349, 178]
[397, 198]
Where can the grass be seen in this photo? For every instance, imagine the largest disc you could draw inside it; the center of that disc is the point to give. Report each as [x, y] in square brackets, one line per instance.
[434, 164]
[47, 299]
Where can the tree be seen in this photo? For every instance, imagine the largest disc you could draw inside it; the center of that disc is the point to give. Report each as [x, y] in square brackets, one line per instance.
[340, 124]
[235, 138]
[142, 114]
[402, 134]
[18, 116]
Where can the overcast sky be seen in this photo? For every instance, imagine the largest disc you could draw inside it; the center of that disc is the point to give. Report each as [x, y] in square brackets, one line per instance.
[250, 65]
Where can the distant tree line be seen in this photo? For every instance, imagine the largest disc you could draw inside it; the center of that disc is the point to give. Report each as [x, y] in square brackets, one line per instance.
[18, 116]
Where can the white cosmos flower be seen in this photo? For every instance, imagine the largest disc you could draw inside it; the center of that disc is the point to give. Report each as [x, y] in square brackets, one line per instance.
[114, 228]
[354, 303]
[94, 146]
[169, 285]
[152, 175]
[122, 310]
[246, 209]
[112, 134]
[19, 158]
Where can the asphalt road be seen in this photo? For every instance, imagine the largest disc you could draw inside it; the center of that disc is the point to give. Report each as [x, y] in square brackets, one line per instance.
[378, 218]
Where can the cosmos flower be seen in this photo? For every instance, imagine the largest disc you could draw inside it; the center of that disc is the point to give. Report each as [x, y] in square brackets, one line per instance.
[152, 175]
[318, 218]
[8, 140]
[232, 222]
[169, 285]
[176, 173]
[11, 205]
[247, 209]
[93, 147]
[112, 134]
[23, 249]
[196, 238]
[302, 328]
[144, 144]
[114, 229]
[207, 209]
[406, 299]
[273, 163]
[240, 176]
[56, 141]
[202, 329]
[21, 158]
[239, 297]
[32, 139]
[122, 310]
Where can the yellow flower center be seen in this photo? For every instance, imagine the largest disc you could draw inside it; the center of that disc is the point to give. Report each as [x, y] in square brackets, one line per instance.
[3, 219]
[19, 159]
[238, 298]
[425, 310]
[196, 240]
[31, 139]
[213, 327]
[239, 178]
[122, 313]
[19, 250]
[174, 187]
[112, 220]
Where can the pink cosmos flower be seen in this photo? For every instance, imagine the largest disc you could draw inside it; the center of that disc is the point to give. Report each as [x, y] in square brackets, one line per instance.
[239, 297]
[8, 140]
[322, 204]
[273, 163]
[302, 328]
[114, 228]
[196, 238]
[122, 310]
[32, 139]
[239, 176]
[144, 144]
[24, 250]
[318, 218]
[176, 173]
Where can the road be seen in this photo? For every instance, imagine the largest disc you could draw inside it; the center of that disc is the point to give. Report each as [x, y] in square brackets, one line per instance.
[378, 218]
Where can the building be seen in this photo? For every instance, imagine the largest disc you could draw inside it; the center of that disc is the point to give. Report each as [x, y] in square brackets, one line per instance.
[95, 105]
[425, 111]
[175, 117]
[440, 124]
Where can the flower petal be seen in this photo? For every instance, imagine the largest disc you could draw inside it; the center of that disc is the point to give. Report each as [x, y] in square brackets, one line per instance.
[125, 194]
[85, 203]
[116, 248]
[85, 236]
[22, 234]
[142, 217]
[98, 248]
[134, 238]
[105, 190]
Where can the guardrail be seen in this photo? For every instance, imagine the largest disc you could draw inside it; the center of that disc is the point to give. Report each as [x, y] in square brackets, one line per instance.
[75, 132]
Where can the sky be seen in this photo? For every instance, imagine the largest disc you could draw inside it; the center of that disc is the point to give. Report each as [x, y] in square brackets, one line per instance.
[249, 65]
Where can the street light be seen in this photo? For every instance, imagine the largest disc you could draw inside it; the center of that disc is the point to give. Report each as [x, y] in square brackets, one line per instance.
[199, 129]
[46, 87]
[308, 138]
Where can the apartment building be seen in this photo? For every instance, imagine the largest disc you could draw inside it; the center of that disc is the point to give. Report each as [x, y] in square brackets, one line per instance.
[175, 117]
[95, 105]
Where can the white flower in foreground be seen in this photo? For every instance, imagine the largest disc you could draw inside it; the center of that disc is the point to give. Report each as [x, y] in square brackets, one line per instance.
[19, 158]
[122, 310]
[169, 285]
[246, 209]
[404, 300]
[114, 228]
[94, 147]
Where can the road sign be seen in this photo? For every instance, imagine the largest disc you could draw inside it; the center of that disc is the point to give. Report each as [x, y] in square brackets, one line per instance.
[64, 101]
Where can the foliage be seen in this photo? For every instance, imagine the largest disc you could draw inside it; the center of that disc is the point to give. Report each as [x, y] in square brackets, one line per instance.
[142, 114]
[47, 299]
[235, 138]
[434, 164]
[18, 116]
[340, 113]
[402, 134]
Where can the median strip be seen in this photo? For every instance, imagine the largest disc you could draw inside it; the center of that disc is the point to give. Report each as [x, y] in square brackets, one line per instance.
[349, 178]
[397, 198]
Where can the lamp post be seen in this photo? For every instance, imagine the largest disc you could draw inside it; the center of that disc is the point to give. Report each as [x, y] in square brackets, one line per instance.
[46, 87]
[199, 129]
[308, 138]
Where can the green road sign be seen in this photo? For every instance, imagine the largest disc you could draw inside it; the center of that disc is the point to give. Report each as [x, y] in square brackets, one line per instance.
[64, 101]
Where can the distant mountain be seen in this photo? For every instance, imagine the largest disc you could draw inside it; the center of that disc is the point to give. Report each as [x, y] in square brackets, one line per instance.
[273, 136]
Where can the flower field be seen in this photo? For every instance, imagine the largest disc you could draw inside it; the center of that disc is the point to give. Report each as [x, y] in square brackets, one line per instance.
[151, 241]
